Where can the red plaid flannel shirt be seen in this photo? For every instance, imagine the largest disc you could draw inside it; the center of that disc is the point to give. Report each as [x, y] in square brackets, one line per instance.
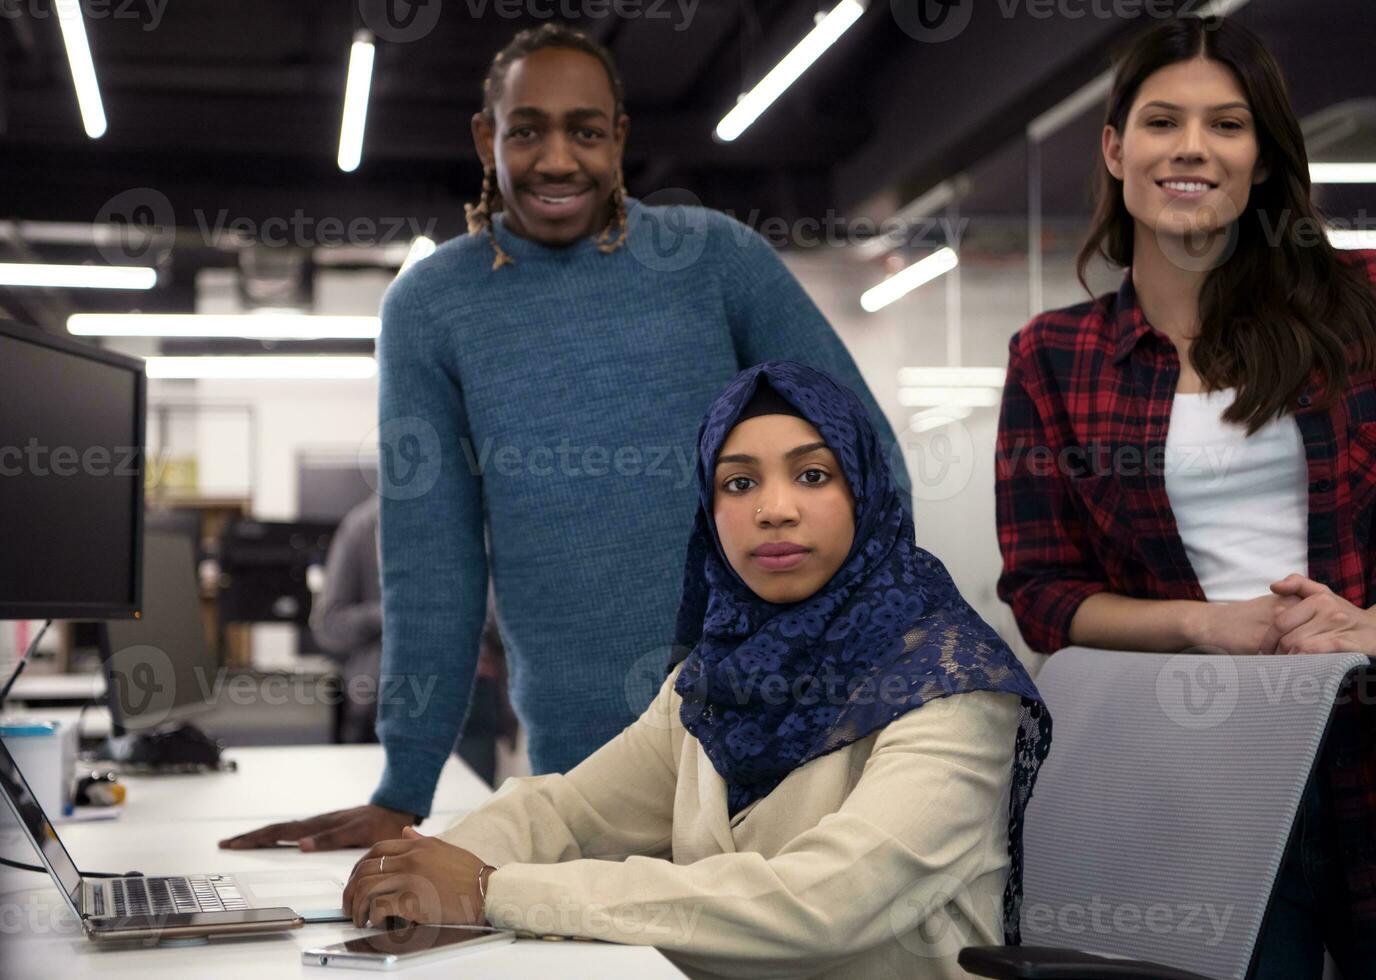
[1082, 505]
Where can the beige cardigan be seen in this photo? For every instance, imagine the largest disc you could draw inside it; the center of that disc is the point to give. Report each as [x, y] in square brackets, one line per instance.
[881, 859]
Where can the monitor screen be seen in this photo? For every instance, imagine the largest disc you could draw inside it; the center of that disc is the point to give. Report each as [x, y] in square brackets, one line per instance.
[71, 478]
[263, 569]
[161, 667]
[327, 488]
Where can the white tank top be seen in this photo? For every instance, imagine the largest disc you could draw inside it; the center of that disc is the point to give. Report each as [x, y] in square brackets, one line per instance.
[1241, 502]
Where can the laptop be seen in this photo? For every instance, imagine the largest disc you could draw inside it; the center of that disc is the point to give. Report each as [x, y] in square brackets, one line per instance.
[171, 906]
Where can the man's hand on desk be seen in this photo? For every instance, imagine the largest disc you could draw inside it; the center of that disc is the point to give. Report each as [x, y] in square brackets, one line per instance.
[360, 826]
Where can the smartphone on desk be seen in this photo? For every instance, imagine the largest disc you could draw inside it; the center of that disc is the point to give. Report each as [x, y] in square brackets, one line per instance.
[410, 944]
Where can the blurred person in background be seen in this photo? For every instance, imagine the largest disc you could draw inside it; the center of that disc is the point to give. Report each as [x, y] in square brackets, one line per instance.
[346, 621]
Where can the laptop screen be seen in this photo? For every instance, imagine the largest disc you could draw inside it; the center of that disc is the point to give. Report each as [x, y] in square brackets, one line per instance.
[39, 829]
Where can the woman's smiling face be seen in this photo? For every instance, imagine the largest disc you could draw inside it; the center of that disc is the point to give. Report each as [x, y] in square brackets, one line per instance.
[1188, 153]
[783, 509]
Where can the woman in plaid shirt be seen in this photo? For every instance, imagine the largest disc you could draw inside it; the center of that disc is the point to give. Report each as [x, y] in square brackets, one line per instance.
[1191, 461]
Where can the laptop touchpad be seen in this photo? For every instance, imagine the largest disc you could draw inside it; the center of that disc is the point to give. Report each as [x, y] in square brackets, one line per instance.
[314, 895]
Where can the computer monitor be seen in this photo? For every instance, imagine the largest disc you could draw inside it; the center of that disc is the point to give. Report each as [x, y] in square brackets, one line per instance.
[160, 668]
[329, 486]
[263, 569]
[71, 478]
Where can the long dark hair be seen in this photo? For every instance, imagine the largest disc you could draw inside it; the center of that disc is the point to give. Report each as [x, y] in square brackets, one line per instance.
[479, 216]
[1274, 310]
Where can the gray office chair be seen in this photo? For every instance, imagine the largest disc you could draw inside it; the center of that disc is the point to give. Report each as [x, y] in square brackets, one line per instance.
[1159, 819]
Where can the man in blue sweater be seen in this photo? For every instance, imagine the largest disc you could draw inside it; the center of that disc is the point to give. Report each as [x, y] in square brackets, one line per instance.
[541, 384]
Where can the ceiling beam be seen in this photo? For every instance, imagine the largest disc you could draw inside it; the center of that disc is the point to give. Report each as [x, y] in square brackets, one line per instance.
[305, 127]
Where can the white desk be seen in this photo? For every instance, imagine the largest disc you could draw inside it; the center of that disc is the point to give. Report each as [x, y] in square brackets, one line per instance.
[95, 721]
[171, 825]
[287, 783]
[74, 688]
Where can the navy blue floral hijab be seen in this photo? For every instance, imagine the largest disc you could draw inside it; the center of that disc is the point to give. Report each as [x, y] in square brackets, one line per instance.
[889, 620]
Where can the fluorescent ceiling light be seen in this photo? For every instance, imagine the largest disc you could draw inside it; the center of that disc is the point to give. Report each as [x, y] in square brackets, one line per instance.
[267, 367]
[356, 91]
[786, 72]
[1352, 237]
[947, 397]
[934, 418]
[900, 224]
[73, 24]
[901, 283]
[250, 326]
[421, 248]
[960, 377]
[77, 276]
[1342, 173]
[1219, 8]
[388, 256]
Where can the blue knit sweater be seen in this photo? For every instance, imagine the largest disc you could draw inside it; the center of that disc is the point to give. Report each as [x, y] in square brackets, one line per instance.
[538, 425]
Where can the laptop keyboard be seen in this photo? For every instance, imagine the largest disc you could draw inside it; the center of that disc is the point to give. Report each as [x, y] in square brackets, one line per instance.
[163, 896]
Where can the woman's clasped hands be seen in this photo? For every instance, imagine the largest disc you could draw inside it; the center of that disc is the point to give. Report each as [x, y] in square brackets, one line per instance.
[1320, 622]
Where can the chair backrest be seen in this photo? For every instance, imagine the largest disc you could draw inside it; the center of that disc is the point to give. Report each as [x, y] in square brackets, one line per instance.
[1159, 819]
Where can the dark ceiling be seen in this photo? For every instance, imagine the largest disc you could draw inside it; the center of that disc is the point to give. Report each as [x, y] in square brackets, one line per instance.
[231, 110]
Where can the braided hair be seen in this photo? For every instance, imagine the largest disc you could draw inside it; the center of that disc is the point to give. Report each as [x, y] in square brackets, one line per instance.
[490, 202]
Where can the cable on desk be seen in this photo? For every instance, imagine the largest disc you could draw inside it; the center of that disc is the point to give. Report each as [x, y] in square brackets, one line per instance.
[19, 668]
[4, 693]
[91, 702]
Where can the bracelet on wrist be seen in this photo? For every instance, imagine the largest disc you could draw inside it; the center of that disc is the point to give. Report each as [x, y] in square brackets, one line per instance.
[482, 881]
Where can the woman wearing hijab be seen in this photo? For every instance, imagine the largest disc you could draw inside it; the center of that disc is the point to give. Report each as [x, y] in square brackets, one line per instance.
[831, 780]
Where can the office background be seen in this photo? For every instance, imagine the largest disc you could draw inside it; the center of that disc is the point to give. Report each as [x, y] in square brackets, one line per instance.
[218, 167]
